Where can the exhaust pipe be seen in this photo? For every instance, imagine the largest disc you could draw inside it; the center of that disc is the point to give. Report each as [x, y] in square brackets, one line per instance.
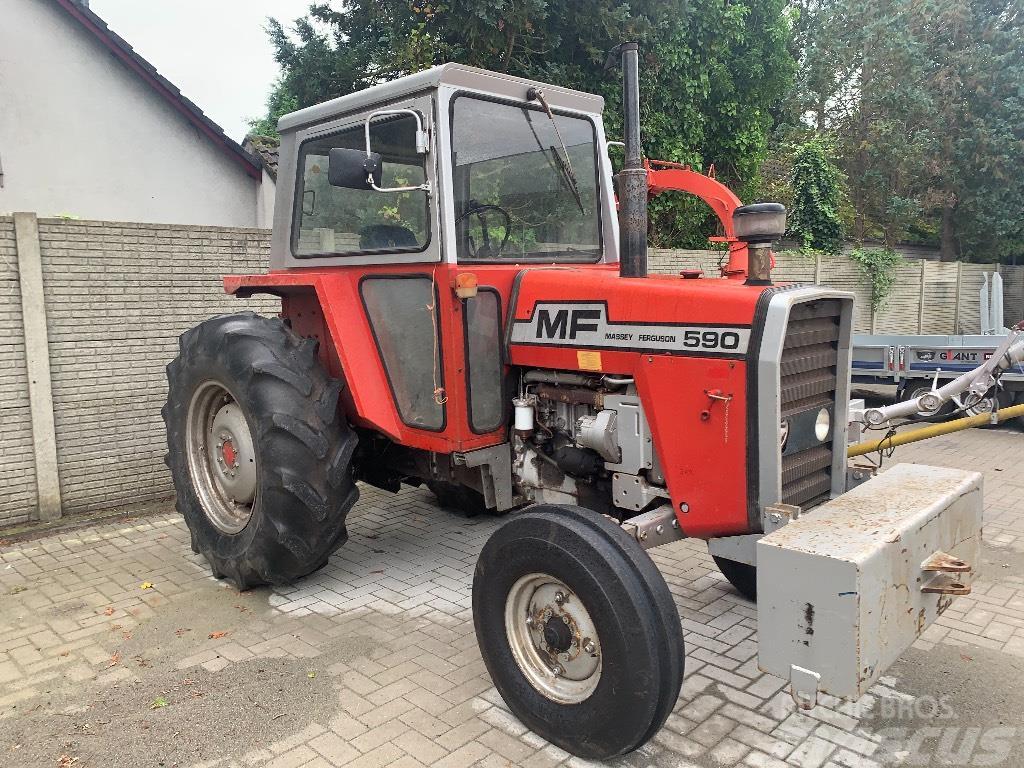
[632, 179]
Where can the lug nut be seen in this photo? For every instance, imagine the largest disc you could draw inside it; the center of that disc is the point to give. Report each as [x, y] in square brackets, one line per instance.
[529, 621]
[588, 646]
[557, 670]
[559, 598]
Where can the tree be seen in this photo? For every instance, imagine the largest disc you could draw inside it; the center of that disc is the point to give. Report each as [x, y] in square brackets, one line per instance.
[713, 77]
[924, 101]
[814, 218]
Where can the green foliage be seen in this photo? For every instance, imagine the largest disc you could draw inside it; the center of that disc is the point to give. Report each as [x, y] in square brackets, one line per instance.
[816, 181]
[878, 266]
[713, 74]
[924, 101]
[279, 102]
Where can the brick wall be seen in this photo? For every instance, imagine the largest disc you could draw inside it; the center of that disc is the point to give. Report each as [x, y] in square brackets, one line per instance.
[17, 463]
[117, 297]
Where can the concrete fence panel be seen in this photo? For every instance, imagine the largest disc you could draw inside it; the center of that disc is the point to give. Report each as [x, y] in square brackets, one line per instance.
[1013, 294]
[927, 296]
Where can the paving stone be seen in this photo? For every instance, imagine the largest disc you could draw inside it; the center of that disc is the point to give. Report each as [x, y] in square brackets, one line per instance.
[420, 694]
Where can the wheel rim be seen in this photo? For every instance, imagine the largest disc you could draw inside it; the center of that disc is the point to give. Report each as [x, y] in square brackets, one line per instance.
[221, 457]
[553, 638]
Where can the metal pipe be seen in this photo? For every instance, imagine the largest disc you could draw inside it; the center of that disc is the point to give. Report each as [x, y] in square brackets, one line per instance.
[560, 377]
[934, 430]
[759, 264]
[632, 178]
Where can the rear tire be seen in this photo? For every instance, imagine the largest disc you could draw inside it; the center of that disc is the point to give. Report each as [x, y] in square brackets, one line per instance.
[740, 575]
[607, 698]
[259, 456]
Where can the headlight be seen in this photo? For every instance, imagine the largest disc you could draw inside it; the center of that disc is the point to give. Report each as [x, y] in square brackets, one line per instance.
[783, 433]
[822, 425]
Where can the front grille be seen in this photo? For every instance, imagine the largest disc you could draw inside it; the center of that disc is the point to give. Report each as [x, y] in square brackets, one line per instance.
[808, 372]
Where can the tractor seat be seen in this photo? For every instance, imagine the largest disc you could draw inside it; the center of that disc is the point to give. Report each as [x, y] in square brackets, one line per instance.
[378, 236]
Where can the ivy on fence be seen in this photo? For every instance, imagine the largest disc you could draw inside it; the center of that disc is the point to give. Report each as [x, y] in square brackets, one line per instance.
[878, 265]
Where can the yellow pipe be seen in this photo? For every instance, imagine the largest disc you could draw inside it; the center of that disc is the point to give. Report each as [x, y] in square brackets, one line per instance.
[934, 430]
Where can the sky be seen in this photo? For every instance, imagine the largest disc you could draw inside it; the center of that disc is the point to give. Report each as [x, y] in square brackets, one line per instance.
[215, 51]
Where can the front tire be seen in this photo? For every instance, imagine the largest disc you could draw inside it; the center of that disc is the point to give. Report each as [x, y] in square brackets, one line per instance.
[578, 630]
[259, 456]
[740, 575]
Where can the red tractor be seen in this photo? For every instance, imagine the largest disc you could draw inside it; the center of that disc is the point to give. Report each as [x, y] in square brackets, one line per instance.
[466, 305]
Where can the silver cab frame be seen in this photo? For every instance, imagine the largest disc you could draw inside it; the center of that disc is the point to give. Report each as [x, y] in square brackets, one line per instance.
[430, 94]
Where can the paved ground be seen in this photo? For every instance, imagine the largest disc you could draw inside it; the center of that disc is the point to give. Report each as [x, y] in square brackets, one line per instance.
[117, 648]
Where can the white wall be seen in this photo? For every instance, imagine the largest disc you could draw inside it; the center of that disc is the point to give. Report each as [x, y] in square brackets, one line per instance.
[82, 135]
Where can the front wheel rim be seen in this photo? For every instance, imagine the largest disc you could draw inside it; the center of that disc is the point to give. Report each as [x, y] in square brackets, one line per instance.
[553, 638]
[221, 457]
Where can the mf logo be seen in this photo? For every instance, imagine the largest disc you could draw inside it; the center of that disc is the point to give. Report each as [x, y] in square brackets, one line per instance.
[559, 324]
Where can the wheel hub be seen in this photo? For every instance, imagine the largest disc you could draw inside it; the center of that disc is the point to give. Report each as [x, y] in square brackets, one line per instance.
[234, 455]
[557, 635]
[228, 455]
[222, 458]
[553, 638]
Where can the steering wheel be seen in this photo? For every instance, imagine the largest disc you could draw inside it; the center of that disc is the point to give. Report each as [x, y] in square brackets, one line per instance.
[487, 248]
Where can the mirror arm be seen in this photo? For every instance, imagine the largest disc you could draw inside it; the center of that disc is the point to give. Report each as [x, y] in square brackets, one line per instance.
[425, 186]
[422, 146]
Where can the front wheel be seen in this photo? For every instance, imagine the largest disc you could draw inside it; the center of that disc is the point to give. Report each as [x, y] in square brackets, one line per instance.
[578, 630]
[740, 575]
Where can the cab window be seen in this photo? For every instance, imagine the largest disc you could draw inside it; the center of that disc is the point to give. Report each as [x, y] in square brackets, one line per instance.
[332, 221]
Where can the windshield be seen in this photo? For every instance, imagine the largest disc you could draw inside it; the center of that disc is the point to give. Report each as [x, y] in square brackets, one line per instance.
[514, 195]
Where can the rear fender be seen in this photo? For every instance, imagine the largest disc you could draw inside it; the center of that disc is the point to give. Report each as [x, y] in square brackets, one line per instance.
[327, 307]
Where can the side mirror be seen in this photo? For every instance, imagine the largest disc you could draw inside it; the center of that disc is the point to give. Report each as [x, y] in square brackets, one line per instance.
[351, 168]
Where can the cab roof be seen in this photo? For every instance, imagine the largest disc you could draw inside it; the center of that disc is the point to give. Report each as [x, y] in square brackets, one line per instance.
[456, 76]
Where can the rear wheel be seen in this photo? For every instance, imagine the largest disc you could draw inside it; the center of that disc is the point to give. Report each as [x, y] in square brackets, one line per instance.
[740, 575]
[259, 456]
[578, 630]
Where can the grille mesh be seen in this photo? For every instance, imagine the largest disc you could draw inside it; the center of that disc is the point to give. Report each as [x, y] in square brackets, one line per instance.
[810, 356]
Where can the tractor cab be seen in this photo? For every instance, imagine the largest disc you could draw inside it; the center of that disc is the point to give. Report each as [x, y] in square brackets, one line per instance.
[473, 171]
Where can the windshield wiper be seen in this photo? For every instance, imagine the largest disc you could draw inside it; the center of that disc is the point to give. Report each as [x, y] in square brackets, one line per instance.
[563, 161]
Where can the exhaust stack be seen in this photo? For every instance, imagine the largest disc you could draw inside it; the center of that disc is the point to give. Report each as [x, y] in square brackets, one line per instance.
[632, 179]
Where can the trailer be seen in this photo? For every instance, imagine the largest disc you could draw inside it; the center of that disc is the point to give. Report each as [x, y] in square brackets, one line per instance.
[918, 363]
